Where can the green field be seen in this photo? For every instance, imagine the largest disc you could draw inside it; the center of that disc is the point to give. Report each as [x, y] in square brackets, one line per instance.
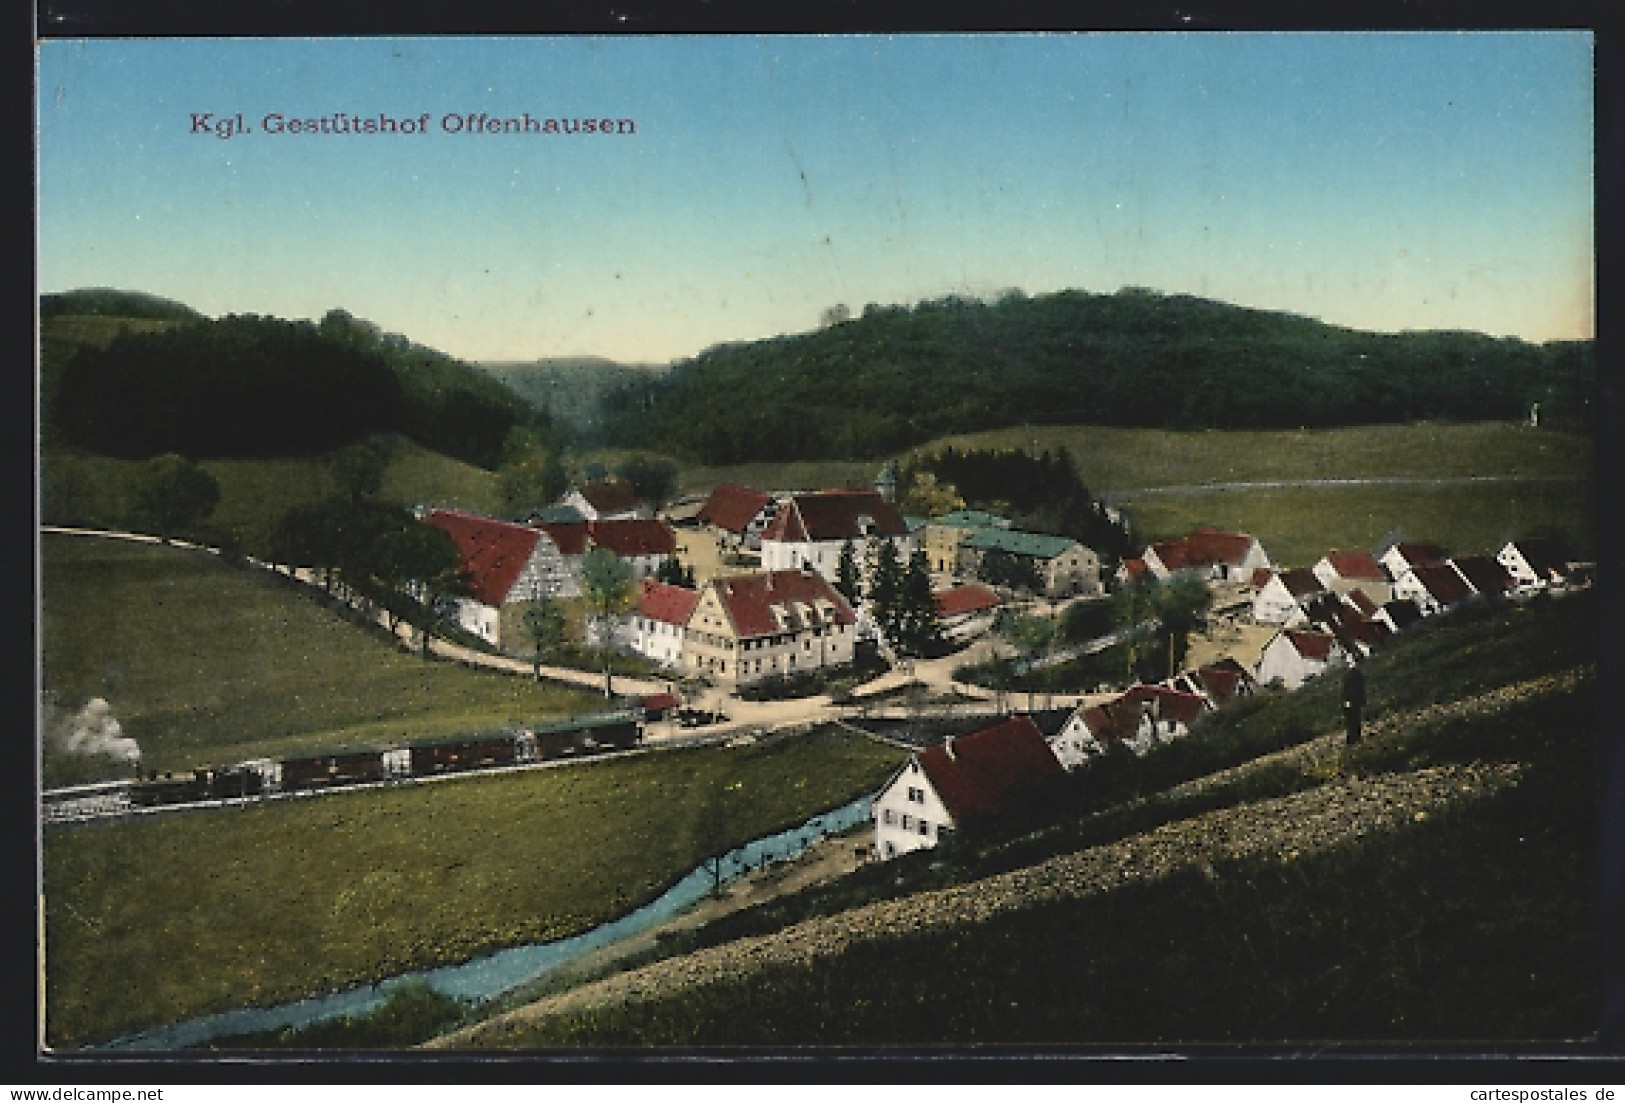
[82, 489]
[1113, 460]
[166, 918]
[204, 663]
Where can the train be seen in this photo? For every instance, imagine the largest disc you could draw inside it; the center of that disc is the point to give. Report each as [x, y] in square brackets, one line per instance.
[582, 736]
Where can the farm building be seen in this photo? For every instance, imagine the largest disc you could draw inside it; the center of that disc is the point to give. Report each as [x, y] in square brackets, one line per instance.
[1403, 557]
[1281, 600]
[1342, 572]
[506, 566]
[1433, 587]
[606, 500]
[738, 515]
[933, 794]
[1221, 556]
[964, 610]
[1533, 564]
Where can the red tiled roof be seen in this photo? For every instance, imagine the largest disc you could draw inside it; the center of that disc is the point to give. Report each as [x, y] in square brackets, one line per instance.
[1203, 548]
[958, 600]
[1369, 632]
[1311, 645]
[1421, 554]
[834, 515]
[1135, 567]
[493, 552]
[570, 536]
[658, 702]
[731, 506]
[979, 773]
[1356, 564]
[1440, 580]
[611, 495]
[1262, 576]
[631, 538]
[1484, 574]
[1171, 703]
[1116, 721]
[664, 602]
[749, 600]
[1223, 680]
[1360, 601]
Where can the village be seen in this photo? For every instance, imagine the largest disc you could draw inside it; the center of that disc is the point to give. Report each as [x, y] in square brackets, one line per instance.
[746, 588]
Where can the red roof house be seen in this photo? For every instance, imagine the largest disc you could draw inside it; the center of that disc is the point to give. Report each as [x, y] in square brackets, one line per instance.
[980, 774]
[739, 511]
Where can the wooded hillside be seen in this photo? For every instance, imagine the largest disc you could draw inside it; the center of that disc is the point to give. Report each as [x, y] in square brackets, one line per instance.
[898, 376]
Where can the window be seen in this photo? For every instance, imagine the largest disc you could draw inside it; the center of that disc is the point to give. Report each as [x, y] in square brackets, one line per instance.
[889, 817]
[925, 829]
[908, 821]
[916, 795]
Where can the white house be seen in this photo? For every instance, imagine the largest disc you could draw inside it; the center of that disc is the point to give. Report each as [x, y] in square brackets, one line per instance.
[1432, 588]
[933, 794]
[644, 544]
[1281, 600]
[809, 530]
[655, 627]
[1403, 557]
[1293, 657]
[1533, 565]
[1342, 572]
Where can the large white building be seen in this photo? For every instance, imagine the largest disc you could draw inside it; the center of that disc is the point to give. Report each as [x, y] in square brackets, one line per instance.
[809, 530]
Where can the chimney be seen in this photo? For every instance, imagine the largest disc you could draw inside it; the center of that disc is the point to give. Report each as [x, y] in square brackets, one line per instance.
[770, 582]
[948, 748]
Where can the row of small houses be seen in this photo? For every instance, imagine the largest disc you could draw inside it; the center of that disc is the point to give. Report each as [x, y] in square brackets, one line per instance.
[1330, 619]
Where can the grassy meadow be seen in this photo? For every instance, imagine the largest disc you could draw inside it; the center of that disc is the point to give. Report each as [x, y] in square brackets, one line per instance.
[1115, 460]
[78, 488]
[204, 663]
[161, 919]
[1477, 924]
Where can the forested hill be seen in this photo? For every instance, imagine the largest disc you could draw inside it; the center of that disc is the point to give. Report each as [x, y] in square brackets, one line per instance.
[898, 376]
[252, 386]
[104, 302]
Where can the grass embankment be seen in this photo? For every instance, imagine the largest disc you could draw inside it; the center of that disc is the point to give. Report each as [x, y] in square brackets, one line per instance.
[1476, 924]
[162, 919]
[78, 488]
[203, 663]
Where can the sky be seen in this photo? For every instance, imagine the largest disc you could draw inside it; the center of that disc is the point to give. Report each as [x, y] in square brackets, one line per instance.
[1379, 181]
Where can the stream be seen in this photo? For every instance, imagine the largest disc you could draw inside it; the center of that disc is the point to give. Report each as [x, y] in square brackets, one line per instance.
[494, 974]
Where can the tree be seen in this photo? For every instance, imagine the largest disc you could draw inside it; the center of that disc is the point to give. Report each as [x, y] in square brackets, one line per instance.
[886, 591]
[544, 627]
[532, 472]
[929, 498]
[848, 580]
[918, 624]
[1133, 609]
[1181, 607]
[606, 583]
[416, 556]
[359, 471]
[1001, 568]
[175, 494]
[655, 480]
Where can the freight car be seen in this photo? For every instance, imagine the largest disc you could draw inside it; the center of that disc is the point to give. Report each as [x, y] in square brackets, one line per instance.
[446, 755]
[325, 771]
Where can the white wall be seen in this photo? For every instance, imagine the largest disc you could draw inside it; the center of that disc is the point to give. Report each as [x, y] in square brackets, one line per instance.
[898, 816]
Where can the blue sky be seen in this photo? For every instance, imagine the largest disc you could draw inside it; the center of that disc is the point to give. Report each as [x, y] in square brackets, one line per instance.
[1382, 181]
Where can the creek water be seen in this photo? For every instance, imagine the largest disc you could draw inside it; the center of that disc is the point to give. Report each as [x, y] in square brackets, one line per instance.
[486, 977]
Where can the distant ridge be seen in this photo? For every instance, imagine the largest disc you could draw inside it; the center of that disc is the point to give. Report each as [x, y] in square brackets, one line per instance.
[105, 302]
[571, 389]
[897, 376]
